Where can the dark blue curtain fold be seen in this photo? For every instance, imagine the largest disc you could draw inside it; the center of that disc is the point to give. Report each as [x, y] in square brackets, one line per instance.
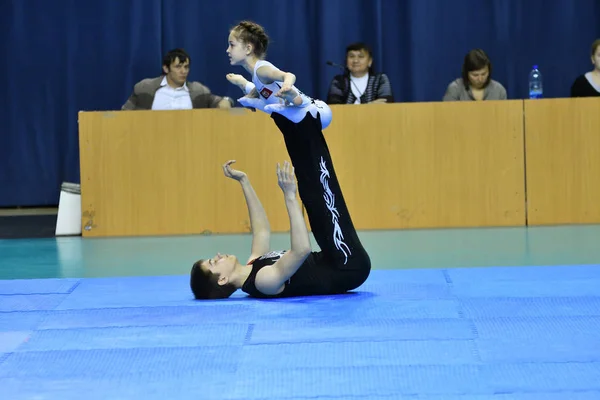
[61, 57]
[64, 56]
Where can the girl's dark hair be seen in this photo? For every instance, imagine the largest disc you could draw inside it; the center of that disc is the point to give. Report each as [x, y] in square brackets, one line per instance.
[253, 33]
[475, 60]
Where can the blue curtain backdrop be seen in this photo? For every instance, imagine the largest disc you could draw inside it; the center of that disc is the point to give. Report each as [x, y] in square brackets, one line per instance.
[64, 56]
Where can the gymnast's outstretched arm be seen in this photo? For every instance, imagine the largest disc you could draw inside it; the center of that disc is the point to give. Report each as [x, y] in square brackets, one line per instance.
[261, 229]
[271, 279]
[245, 86]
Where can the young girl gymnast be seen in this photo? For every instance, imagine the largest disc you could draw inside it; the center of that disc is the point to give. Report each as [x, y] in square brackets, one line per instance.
[271, 89]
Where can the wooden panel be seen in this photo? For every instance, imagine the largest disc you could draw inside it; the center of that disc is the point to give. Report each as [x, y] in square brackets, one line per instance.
[400, 166]
[159, 173]
[563, 161]
[423, 165]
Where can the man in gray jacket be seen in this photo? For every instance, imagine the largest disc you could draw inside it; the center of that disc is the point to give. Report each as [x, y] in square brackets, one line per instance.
[172, 91]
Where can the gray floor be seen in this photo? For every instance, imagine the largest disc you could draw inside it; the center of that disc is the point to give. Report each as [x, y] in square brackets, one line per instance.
[75, 257]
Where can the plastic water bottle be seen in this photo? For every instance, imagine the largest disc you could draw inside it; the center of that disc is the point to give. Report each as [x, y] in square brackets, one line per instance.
[536, 89]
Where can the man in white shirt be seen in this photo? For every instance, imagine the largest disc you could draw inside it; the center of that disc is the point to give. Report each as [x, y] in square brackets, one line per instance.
[172, 91]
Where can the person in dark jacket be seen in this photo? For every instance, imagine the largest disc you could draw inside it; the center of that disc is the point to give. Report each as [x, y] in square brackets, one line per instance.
[359, 84]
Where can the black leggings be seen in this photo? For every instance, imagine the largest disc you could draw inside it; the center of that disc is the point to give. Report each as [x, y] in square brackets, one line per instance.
[323, 200]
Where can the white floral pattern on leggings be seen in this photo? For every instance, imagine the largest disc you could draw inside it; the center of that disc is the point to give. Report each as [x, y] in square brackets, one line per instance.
[338, 236]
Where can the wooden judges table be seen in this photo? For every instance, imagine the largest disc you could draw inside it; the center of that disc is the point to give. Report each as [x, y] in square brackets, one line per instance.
[403, 165]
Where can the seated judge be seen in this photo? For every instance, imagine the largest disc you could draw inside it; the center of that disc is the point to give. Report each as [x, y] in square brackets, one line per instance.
[359, 84]
[588, 84]
[476, 82]
[172, 90]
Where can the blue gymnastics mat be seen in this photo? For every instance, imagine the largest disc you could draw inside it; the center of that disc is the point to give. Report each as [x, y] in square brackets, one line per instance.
[472, 333]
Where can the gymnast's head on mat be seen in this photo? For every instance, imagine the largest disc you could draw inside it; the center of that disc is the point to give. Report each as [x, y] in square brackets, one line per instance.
[212, 278]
